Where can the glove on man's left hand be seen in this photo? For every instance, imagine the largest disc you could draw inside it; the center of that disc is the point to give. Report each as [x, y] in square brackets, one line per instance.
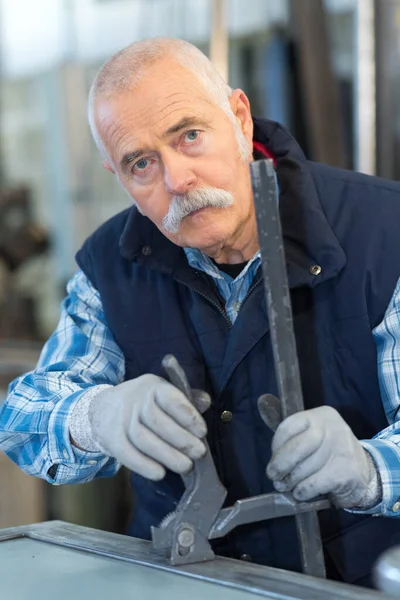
[314, 452]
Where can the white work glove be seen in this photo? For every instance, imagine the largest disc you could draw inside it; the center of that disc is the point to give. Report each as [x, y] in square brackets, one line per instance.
[148, 425]
[314, 452]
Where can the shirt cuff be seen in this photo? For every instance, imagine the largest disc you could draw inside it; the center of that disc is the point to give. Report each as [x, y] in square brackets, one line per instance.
[67, 463]
[386, 456]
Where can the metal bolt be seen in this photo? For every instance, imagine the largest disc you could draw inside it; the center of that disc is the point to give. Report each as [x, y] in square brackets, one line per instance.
[246, 557]
[186, 538]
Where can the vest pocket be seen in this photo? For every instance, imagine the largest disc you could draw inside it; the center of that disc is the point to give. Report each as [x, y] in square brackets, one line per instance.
[355, 551]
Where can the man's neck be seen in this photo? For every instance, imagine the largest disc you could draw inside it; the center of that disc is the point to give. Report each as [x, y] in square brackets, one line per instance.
[241, 247]
[234, 257]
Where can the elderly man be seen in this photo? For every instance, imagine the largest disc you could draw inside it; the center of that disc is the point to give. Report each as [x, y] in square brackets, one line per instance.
[179, 272]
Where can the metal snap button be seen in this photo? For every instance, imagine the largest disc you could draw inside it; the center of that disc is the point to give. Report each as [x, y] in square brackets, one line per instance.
[226, 416]
[146, 250]
[315, 270]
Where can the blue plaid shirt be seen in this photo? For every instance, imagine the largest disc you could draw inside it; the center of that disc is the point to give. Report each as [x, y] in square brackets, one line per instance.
[82, 353]
[385, 447]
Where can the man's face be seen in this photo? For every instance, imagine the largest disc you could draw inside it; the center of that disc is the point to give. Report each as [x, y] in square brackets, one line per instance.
[174, 151]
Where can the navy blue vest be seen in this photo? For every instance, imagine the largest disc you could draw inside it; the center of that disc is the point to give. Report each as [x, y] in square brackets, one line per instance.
[156, 304]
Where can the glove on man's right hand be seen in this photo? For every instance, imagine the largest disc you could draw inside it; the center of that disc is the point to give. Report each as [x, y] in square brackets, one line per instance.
[148, 425]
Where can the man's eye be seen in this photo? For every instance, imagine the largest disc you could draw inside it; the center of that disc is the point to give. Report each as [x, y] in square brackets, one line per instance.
[141, 164]
[192, 136]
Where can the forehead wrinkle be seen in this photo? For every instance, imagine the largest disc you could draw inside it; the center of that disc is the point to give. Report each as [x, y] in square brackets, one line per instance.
[112, 133]
[173, 115]
[177, 114]
[176, 100]
[121, 131]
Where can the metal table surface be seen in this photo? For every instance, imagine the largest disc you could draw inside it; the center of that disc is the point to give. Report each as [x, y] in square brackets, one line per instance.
[57, 559]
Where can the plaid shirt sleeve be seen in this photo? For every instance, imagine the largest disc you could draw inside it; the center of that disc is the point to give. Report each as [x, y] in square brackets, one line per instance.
[34, 419]
[385, 447]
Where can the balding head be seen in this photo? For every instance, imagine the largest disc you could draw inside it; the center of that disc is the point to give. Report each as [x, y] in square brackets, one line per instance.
[126, 69]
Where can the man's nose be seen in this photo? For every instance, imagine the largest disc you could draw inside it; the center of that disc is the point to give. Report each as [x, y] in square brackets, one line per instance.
[178, 176]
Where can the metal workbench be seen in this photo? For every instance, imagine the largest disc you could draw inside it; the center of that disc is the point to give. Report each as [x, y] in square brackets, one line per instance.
[59, 560]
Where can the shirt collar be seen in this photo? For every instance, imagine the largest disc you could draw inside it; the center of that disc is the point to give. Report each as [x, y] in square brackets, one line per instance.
[199, 260]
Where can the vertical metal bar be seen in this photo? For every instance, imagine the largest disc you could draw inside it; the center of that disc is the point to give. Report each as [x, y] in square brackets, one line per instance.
[58, 163]
[282, 335]
[2, 78]
[276, 286]
[318, 83]
[387, 45]
[365, 88]
[219, 38]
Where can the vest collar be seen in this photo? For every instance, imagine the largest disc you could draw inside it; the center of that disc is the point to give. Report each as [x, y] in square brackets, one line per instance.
[309, 239]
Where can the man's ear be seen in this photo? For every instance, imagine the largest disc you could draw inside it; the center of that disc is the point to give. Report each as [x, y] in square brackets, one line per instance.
[240, 105]
[107, 166]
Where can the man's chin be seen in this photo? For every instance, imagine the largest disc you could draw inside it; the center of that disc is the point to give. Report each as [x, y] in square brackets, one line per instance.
[202, 230]
[207, 241]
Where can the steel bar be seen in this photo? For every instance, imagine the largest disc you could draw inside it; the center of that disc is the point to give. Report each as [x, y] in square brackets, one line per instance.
[262, 508]
[266, 200]
[108, 551]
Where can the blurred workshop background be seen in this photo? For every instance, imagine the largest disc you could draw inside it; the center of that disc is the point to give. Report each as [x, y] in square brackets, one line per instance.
[328, 70]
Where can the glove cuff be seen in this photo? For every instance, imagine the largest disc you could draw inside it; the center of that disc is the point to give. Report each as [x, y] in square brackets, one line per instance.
[80, 427]
[373, 496]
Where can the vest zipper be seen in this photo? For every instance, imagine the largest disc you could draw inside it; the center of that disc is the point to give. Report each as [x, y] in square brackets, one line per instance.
[250, 290]
[211, 301]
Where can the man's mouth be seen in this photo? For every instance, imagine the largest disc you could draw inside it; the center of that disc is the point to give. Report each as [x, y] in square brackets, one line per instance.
[198, 211]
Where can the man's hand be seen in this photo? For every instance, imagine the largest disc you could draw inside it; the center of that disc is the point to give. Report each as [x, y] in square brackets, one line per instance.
[148, 425]
[314, 452]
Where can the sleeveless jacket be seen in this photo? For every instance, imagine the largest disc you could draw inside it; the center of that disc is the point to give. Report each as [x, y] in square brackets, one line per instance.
[155, 304]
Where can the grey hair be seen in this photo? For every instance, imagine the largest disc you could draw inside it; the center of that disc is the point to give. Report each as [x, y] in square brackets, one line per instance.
[127, 67]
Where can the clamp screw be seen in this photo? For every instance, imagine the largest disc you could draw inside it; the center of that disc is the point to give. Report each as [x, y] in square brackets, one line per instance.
[186, 538]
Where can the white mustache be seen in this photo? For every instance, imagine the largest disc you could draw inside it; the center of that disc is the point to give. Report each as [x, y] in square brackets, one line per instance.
[181, 206]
